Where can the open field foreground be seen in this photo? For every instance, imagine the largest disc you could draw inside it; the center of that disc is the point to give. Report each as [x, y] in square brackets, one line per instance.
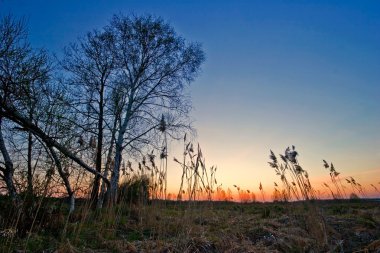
[321, 226]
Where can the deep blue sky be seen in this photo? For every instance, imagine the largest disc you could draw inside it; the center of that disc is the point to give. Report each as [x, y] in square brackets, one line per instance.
[277, 73]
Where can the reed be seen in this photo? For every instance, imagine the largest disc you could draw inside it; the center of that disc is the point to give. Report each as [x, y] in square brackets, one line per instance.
[296, 183]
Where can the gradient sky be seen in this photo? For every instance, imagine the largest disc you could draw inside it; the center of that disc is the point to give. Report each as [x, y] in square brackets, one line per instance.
[277, 73]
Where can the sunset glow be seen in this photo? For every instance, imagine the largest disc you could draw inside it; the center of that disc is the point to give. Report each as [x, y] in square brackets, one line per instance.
[276, 74]
[188, 126]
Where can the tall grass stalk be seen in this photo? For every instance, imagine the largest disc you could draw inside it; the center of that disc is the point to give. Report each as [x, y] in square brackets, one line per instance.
[300, 186]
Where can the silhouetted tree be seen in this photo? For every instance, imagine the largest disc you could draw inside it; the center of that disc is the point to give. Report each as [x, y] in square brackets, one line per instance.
[154, 64]
[123, 88]
[91, 65]
[20, 68]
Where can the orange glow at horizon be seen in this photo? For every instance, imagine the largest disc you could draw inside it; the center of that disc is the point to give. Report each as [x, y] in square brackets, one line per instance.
[244, 163]
[368, 179]
[247, 196]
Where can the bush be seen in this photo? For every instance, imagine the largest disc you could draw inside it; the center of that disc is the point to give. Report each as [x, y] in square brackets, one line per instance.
[135, 190]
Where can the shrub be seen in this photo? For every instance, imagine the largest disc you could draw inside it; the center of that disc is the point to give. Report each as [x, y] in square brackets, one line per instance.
[134, 190]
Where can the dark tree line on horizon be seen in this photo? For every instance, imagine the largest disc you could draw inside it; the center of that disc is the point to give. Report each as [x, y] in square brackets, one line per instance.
[85, 114]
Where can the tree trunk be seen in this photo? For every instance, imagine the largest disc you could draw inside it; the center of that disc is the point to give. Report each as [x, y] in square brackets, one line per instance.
[118, 157]
[64, 177]
[98, 161]
[9, 169]
[107, 166]
[30, 169]
[29, 156]
[116, 169]
[71, 203]
[118, 152]
[102, 194]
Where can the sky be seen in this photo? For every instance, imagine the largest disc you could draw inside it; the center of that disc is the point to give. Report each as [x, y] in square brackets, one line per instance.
[277, 73]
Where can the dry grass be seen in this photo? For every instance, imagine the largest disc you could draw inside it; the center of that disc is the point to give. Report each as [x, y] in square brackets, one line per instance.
[212, 227]
[142, 221]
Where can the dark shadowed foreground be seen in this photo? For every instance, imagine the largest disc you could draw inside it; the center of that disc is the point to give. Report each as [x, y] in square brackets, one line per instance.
[321, 226]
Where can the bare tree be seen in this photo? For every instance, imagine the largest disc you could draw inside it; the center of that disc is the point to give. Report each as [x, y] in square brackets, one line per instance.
[154, 64]
[90, 64]
[21, 67]
[124, 83]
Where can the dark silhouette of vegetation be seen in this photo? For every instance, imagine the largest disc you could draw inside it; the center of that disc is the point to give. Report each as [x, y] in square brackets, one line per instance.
[119, 92]
[135, 190]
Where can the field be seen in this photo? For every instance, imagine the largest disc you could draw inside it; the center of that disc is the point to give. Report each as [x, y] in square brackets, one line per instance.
[315, 226]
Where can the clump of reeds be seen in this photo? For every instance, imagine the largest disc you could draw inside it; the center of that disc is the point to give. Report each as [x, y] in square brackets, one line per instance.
[262, 191]
[134, 190]
[279, 194]
[147, 169]
[299, 186]
[196, 178]
[334, 176]
[356, 187]
[245, 196]
[330, 190]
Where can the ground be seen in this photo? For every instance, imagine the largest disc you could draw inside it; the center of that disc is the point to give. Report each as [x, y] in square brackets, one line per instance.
[319, 226]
